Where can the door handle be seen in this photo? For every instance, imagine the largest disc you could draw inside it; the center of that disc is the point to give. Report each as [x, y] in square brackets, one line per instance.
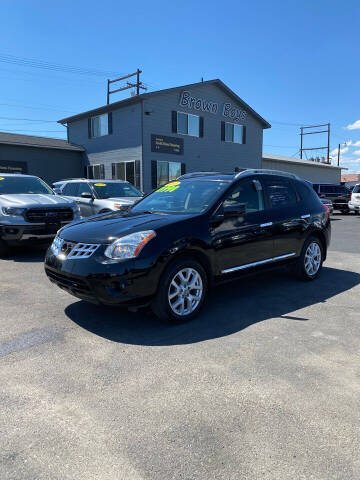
[306, 216]
[268, 224]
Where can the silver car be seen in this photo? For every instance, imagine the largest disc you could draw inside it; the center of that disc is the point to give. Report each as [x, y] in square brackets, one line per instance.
[99, 196]
[29, 210]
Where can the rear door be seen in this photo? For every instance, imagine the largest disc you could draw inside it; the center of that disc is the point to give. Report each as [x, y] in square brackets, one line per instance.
[287, 214]
[240, 242]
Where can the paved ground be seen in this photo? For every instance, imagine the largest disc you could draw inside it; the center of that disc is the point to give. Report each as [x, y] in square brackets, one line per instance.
[264, 385]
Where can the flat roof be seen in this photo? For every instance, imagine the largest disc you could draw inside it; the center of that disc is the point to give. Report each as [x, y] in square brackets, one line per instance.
[143, 96]
[39, 142]
[301, 161]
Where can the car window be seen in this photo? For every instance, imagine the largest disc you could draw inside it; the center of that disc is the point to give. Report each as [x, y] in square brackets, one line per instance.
[83, 188]
[70, 189]
[356, 189]
[340, 189]
[280, 193]
[249, 193]
[305, 191]
[327, 189]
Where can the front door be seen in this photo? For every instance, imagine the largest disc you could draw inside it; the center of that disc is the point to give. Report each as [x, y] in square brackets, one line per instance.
[86, 204]
[240, 242]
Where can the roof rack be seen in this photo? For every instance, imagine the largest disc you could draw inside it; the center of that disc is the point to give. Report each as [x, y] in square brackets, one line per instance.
[266, 172]
[200, 174]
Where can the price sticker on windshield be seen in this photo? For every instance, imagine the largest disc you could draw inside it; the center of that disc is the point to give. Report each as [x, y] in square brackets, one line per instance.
[100, 184]
[169, 187]
[2, 178]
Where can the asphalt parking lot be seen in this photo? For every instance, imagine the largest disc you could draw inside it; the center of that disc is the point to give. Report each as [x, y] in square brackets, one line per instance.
[263, 385]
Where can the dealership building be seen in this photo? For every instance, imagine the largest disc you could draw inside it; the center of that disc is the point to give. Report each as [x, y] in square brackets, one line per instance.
[152, 138]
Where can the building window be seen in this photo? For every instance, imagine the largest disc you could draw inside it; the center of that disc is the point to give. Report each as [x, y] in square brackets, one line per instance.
[96, 171]
[187, 124]
[100, 125]
[129, 171]
[232, 132]
[164, 172]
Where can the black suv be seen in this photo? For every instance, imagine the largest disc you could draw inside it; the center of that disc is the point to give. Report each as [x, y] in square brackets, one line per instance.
[188, 235]
[338, 194]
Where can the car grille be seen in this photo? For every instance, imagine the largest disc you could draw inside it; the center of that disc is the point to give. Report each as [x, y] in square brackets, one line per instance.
[49, 215]
[73, 250]
[69, 283]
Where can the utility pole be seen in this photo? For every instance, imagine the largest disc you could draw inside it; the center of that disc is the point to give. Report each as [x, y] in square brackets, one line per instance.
[339, 155]
[327, 147]
[138, 85]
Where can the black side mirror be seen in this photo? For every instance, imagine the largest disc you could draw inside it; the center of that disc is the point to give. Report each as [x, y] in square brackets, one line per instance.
[234, 210]
[86, 195]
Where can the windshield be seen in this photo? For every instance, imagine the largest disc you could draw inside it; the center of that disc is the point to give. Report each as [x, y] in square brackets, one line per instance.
[18, 185]
[356, 189]
[109, 190]
[187, 196]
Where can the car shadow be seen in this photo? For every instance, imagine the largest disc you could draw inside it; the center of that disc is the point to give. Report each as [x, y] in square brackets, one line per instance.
[25, 253]
[231, 308]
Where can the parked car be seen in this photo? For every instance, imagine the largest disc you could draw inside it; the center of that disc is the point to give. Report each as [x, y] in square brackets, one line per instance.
[338, 194]
[354, 204]
[328, 203]
[29, 210]
[169, 248]
[100, 196]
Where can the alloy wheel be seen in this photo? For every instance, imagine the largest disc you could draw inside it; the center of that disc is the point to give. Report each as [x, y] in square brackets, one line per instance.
[185, 291]
[312, 259]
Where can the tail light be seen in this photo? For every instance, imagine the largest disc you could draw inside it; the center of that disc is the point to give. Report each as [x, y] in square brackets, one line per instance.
[326, 208]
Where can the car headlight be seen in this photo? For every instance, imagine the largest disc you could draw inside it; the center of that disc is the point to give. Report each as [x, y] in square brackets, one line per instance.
[129, 246]
[13, 211]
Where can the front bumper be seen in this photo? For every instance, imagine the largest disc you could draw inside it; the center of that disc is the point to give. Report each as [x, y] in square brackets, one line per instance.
[103, 281]
[354, 207]
[24, 232]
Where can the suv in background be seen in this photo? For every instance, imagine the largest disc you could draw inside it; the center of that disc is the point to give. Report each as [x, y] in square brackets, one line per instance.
[354, 204]
[99, 196]
[29, 210]
[197, 231]
[338, 194]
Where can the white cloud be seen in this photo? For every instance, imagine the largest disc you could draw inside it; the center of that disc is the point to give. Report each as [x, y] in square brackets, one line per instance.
[353, 126]
[342, 151]
[357, 152]
[353, 144]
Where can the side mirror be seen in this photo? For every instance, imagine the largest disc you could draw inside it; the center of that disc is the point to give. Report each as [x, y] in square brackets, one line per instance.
[57, 191]
[234, 210]
[86, 195]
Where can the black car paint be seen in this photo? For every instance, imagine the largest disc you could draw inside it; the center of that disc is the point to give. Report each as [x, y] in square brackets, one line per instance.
[218, 243]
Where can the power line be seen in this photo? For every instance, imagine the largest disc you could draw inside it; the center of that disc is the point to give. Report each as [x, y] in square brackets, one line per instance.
[34, 63]
[34, 131]
[36, 108]
[28, 119]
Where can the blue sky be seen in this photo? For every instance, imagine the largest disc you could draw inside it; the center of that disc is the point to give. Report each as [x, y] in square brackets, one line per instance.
[293, 62]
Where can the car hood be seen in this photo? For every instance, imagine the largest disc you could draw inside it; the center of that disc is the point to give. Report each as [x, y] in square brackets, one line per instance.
[124, 200]
[29, 200]
[106, 228]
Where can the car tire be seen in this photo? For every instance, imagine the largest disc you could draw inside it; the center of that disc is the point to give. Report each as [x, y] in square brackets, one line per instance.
[176, 302]
[309, 264]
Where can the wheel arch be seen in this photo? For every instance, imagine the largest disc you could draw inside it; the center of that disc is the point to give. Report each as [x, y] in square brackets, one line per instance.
[320, 236]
